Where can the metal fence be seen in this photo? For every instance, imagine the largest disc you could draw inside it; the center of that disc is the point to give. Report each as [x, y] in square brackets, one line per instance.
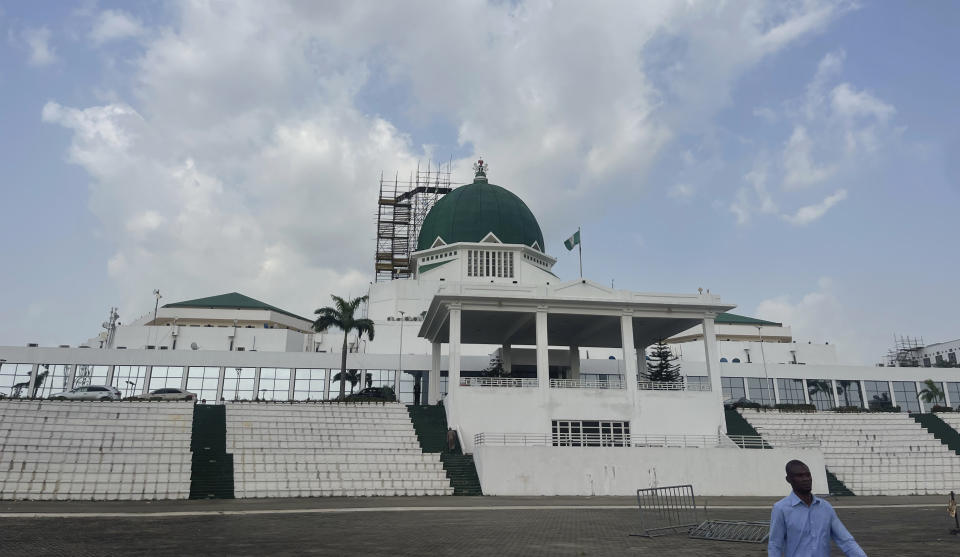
[672, 386]
[498, 382]
[666, 510]
[586, 383]
[732, 531]
[637, 440]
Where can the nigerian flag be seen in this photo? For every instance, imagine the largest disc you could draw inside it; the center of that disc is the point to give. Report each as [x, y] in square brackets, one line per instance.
[572, 240]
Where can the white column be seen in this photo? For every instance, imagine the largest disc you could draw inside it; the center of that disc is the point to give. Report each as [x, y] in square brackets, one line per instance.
[863, 394]
[543, 350]
[256, 383]
[220, 381]
[836, 396]
[712, 354]
[71, 376]
[183, 378]
[110, 375]
[326, 383]
[917, 386]
[893, 395]
[396, 381]
[453, 373]
[946, 394]
[806, 393]
[574, 362]
[746, 388]
[776, 390]
[146, 380]
[507, 359]
[32, 387]
[433, 380]
[293, 380]
[629, 352]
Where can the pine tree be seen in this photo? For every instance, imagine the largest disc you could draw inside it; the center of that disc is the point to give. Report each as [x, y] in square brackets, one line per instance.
[495, 369]
[660, 366]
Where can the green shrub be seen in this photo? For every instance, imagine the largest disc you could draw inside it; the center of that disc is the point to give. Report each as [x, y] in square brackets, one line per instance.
[941, 409]
[849, 409]
[785, 407]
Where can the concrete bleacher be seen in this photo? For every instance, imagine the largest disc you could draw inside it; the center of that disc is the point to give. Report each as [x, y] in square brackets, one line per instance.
[329, 449]
[952, 419]
[872, 453]
[94, 450]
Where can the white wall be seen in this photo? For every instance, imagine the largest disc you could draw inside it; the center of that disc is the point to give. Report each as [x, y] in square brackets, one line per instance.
[210, 338]
[621, 471]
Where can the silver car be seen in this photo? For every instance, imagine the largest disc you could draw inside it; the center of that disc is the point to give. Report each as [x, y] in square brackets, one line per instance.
[170, 393]
[89, 392]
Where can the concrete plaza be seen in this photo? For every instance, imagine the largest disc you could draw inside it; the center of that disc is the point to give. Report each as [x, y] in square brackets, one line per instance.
[462, 526]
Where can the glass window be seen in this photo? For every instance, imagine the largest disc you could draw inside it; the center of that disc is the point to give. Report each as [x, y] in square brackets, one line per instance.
[905, 393]
[203, 381]
[238, 383]
[821, 393]
[761, 390]
[15, 380]
[51, 379]
[165, 376]
[926, 406]
[695, 381]
[733, 388]
[577, 433]
[878, 394]
[129, 379]
[274, 383]
[953, 393]
[90, 375]
[308, 384]
[848, 391]
[791, 391]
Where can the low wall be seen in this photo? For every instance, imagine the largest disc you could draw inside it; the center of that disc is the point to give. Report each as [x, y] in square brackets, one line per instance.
[621, 471]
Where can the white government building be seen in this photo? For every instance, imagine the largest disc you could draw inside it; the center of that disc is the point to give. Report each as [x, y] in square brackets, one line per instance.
[574, 400]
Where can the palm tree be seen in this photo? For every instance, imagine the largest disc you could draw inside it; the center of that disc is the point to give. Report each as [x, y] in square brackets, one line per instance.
[352, 376]
[931, 393]
[342, 317]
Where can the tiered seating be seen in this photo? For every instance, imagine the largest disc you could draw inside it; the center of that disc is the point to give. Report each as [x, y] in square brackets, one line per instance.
[873, 454]
[94, 450]
[323, 449]
[952, 419]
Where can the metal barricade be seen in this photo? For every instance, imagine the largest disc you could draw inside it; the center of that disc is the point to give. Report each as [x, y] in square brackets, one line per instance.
[666, 510]
[732, 531]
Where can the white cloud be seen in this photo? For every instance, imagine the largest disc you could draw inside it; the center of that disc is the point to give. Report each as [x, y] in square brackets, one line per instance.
[41, 52]
[766, 114]
[112, 25]
[799, 168]
[810, 213]
[682, 192]
[753, 199]
[248, 165]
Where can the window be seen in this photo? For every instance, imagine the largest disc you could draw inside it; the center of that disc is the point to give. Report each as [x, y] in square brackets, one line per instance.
[761, 390]
[733, 388]
[821, 393]
[238, 383]
[578, 433]
[693, 381]
[90, 375]
[165, 376]
[203, 381]
[939, 402]
[735, 360]
[488, 263]
[15, 380]
[848, 391]
[905, 392]
[274, 383]
[953, 393]
[723, 360]
[308, 384]
[52, 378]
[129, 379]
[791, 391]
[878, 394]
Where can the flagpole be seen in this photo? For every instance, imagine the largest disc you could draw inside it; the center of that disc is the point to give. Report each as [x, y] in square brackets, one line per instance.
[580, 250]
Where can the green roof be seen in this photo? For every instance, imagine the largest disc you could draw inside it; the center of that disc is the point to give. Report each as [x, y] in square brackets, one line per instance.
[428, 266]
[734, 319]
[233, 300]
[469, 213]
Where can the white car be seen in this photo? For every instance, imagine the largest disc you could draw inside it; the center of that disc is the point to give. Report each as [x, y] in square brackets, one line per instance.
[170, 393]
[89, 392]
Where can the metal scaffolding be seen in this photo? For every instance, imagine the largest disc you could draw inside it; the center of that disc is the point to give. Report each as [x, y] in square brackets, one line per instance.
[401, 209]
[906, 352]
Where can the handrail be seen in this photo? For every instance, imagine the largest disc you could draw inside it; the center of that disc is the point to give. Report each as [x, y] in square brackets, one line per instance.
[628, 440]
[498, 382]
[582, 383]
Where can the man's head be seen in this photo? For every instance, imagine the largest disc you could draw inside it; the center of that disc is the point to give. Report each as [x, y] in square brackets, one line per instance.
[798, 476]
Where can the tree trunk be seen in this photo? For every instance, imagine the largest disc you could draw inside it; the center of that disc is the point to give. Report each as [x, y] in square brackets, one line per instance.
[343, 368]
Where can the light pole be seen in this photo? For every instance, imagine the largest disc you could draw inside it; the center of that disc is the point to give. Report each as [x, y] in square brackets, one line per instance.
[131, 385]
[396, 385]
[236, 391]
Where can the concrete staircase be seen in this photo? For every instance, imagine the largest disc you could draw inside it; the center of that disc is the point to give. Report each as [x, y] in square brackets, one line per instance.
[430, 423]
[941, 429]
[211, 475]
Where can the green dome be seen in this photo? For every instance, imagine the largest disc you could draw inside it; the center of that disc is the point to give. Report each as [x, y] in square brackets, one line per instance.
[469, 213]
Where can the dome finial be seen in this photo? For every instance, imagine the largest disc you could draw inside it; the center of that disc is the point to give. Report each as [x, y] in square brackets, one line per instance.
[480, 170]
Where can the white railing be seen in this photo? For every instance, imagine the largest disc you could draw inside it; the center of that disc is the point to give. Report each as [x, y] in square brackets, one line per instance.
[671, 386]
[582, 383]
[498, 382]
[628, 440]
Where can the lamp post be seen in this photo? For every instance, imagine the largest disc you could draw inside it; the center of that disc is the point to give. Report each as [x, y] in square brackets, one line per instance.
[131, 385]
[236, 391]
[396, 382]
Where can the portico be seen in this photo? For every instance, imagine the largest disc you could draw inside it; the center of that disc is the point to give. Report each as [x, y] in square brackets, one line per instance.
[568, 315]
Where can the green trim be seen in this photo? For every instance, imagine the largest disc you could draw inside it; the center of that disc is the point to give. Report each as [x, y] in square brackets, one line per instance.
[734, 319]
[233, 300]
[429, 266]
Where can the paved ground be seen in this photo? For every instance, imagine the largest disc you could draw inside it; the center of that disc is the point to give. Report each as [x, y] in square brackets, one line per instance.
[463, 526]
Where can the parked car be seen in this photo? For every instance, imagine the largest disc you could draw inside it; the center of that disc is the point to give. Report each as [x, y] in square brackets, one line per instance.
[385, 393]
[170, 393]
[89, 392]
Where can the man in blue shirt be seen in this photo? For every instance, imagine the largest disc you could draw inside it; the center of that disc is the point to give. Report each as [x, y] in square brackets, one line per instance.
[802, 524]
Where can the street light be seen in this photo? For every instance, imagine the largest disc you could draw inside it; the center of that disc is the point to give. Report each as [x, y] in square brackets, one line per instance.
[236, 390]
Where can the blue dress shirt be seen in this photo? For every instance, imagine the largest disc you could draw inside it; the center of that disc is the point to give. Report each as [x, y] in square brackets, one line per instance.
[797, 530]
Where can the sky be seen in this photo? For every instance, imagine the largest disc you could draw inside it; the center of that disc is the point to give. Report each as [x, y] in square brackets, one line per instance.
[792, 157]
